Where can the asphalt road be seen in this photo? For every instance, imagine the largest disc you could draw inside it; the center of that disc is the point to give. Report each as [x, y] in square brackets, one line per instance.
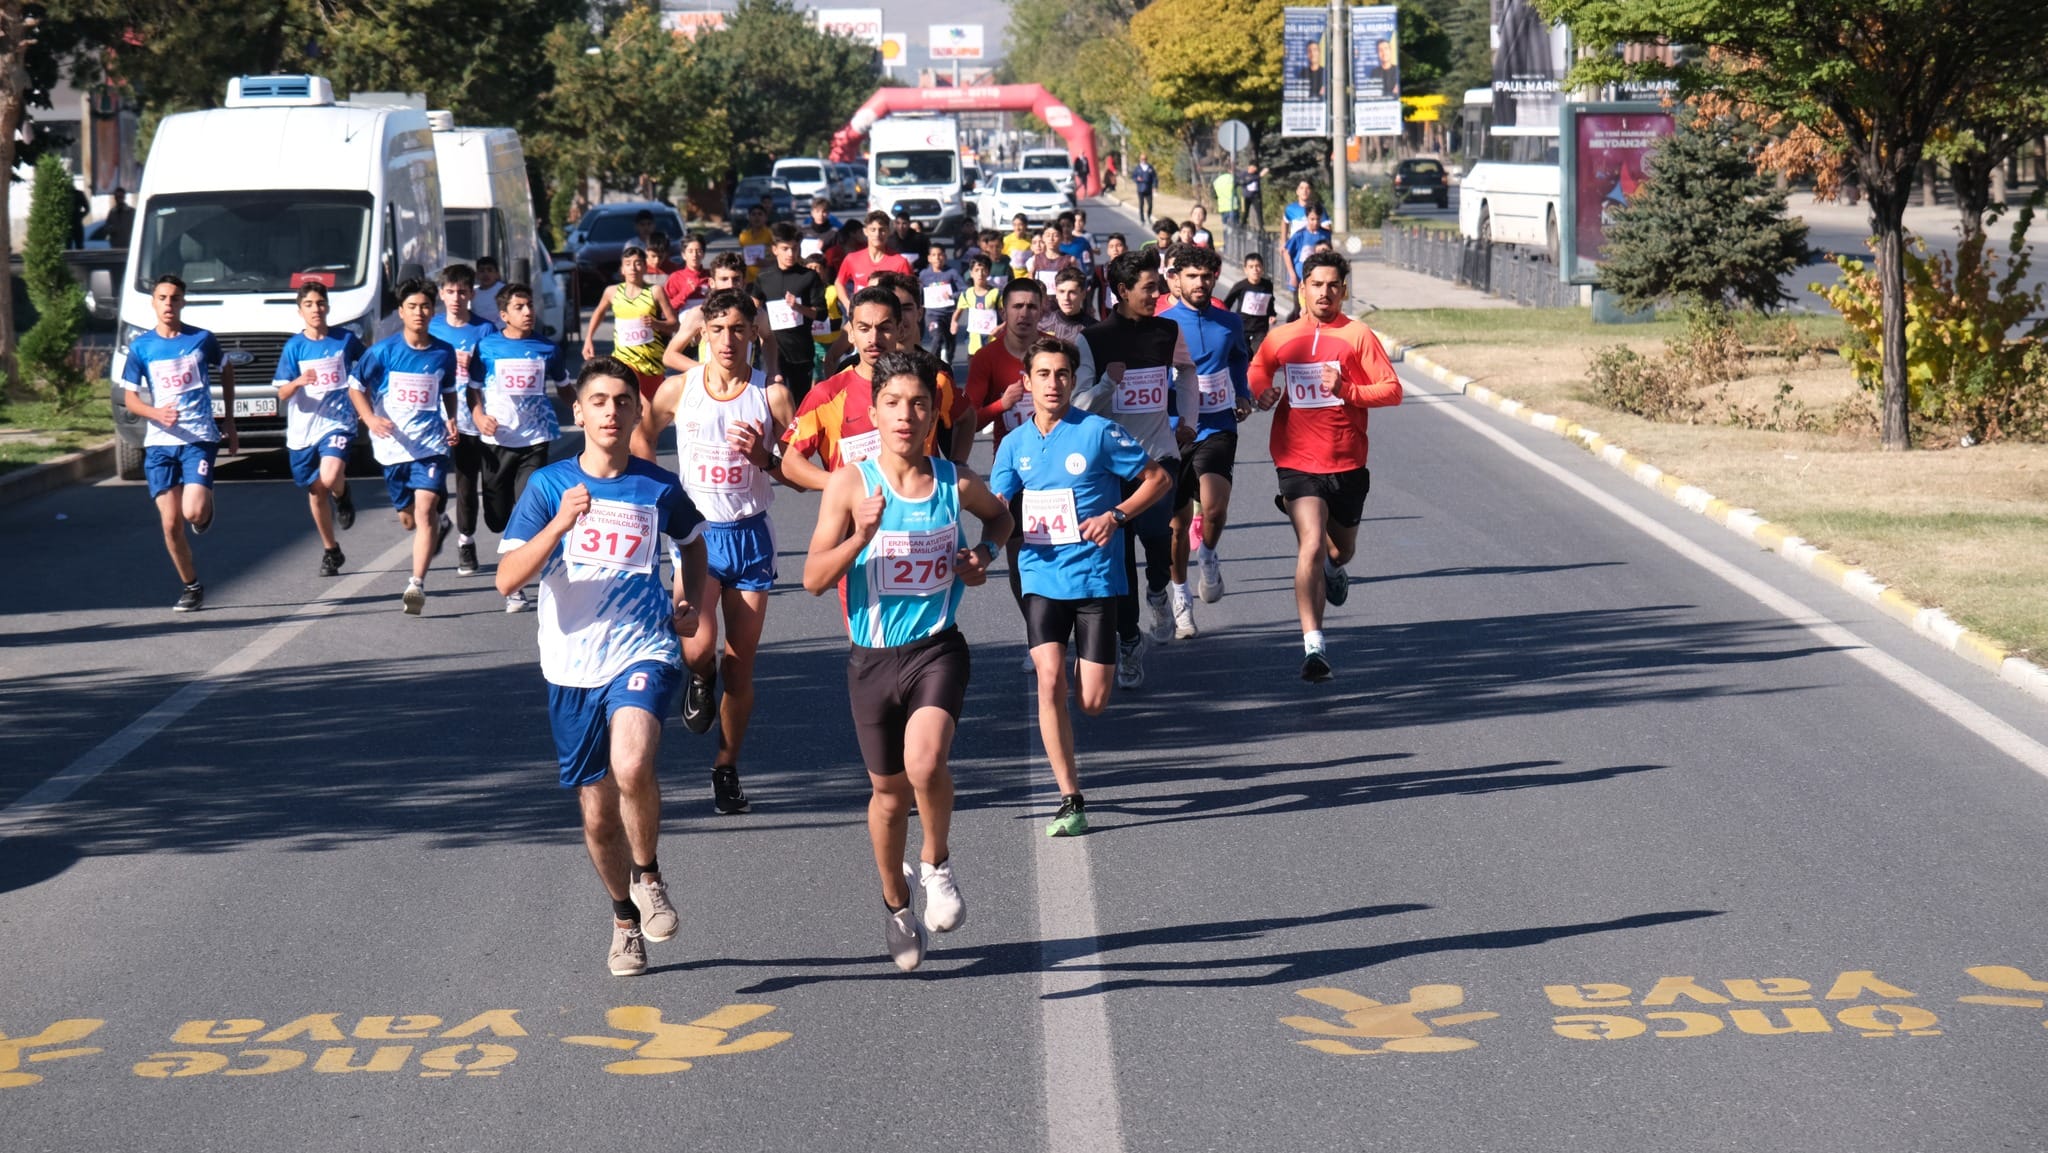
[1576, 794]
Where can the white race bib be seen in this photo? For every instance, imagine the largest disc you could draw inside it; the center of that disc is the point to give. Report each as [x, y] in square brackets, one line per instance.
[628, 331]
[719, 468]
[1049, 279]
[327, 375]
[521, 377]
[939, 296]
[1049, 516]
[821, 328]
[982, 321]
[755, 253]
[1256, 304]
[1305, 387]
[916, 563]
[1217, 391]
[854, 449]
[809, 246]
[406, 393]
[782, 315]
[175, 377]
[1142, 390]
[615, 535]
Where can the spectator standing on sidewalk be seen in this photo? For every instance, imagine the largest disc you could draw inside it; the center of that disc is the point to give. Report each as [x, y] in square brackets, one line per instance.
[1254, 207]
[1225, 186]
[1144, 178]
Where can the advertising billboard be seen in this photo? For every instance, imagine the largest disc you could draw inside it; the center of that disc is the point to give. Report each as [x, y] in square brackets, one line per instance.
[1530, 58]
[1604, 154]
[1305, 72]
[955, 42]
[1375, 72]
[861, 24]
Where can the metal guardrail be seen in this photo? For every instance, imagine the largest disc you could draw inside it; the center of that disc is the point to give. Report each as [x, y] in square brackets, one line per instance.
[1508, 271]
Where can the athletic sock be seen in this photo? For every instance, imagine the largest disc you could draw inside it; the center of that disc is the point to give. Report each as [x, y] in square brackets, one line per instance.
[626, 911]
[464, 538]
[1180, 589]
[1205, 553]
[638, 869]
[1074, 799]
[1311, 640]
[415, 582]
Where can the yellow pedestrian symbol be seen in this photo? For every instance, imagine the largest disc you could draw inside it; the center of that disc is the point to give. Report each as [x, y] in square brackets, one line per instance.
[1398, 1027]
[61, 1033]
[672, 1046]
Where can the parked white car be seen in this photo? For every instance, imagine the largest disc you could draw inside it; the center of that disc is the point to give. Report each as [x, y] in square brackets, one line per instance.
[806, 177]
[1036, 195]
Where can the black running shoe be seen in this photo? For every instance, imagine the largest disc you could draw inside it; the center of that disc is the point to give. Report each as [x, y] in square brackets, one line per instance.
[441, 532]
[726, 795]
[345, 510]
[190, 600]
[331, 562]
[465, 559]
[700, 703]
[1315, 667]
[1336, 584]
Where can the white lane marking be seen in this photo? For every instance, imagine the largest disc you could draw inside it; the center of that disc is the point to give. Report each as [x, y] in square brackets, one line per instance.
[1081, 1110]
[33, 805]
[1942, 699]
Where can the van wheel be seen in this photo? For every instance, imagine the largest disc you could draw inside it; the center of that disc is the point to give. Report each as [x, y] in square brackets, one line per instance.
[127, 459]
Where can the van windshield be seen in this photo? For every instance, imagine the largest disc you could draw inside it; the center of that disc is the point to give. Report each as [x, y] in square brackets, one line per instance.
[894, 169]
[1045, 160]
[272, 241]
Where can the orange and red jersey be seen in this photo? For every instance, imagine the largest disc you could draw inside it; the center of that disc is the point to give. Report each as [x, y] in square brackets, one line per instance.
[837, 421]
[1316, 428]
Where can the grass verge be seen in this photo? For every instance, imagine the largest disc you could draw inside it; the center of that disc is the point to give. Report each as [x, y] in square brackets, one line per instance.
[33, 431]
[1964, 529]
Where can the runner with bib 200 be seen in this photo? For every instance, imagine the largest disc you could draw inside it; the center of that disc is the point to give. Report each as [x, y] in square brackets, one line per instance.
[890, 527]
[590, 530]
[404, 390]
[1067, 471]
[1215, 338]
[319, 420]
[172, 362]
[729, 419]
[1129, 363]
[513, 410]
[641, 321]
[1319, 375]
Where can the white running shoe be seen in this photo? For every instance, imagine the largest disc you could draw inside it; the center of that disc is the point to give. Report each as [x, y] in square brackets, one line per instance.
[1211, 577]
[1130, 663]
[517, 603]
[657, 914]
[944, 909]
[1183, 616]
[1162, 614]
[905, 932]
[414, 599]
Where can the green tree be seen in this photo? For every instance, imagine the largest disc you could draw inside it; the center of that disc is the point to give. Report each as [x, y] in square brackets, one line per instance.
[1195, 53]
[1892, 73]
[785, 86]
[60, 302]
[1706, 229]
[1465, 25]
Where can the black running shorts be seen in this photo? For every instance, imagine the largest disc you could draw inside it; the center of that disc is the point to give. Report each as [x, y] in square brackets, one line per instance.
[1344, 492]
[887, 685]
[1213, 455]
[1089, 624]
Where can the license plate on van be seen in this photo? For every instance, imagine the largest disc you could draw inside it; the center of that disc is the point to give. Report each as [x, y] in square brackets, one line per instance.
[260, 406]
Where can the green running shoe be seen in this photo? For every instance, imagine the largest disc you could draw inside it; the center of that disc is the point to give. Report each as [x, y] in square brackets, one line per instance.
[1070, 821]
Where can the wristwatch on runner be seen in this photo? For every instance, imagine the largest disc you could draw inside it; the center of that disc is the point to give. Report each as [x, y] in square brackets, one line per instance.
[1120, 517]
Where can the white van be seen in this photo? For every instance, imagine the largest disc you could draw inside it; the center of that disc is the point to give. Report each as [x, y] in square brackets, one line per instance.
[807, 178]
[247, 202]
[914, 161]
[487, 208]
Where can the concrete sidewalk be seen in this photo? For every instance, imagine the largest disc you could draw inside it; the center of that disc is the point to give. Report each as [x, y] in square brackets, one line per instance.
[1373, 284]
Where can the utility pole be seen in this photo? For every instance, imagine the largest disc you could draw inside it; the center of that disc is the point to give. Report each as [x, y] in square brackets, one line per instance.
[1339, 85]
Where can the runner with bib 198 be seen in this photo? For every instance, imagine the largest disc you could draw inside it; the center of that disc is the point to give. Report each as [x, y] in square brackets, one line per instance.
[890, 526]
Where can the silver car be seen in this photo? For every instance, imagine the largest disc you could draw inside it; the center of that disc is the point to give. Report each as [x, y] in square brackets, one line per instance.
[1036, 196]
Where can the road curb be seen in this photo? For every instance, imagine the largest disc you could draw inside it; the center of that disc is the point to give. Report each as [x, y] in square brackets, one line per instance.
[35, 480]
[1929, 622]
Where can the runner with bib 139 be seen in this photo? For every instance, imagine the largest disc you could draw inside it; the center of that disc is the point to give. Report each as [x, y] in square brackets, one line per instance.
[1319, 375]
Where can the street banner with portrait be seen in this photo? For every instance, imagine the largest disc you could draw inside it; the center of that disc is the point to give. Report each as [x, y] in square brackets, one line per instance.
[1305, 72]
[1530, 58]
[1604, 154]
[1375, 71]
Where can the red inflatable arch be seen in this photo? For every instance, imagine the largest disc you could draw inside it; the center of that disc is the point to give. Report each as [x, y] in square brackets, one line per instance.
[1030, 98]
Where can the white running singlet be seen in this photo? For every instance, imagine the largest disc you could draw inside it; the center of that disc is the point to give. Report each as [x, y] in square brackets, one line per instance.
[724, 485]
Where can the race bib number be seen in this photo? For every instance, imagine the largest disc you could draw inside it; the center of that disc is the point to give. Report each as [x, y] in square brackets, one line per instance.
[917, 564]
[522, 377]
[854, 449]
[1018, 414]
[1049, 279]
[809, 246]
[718, 468]
[755, 253]
[939, 296]
[632, 330]
[408, 393]
[1142, 390]
[615, 535]
[782, 315]
[1256, 304]
[981, 321]
[176, 377]
[1217, 393]
[1049, 516]
[327, 375]
[821, 328]
[1305, 387]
